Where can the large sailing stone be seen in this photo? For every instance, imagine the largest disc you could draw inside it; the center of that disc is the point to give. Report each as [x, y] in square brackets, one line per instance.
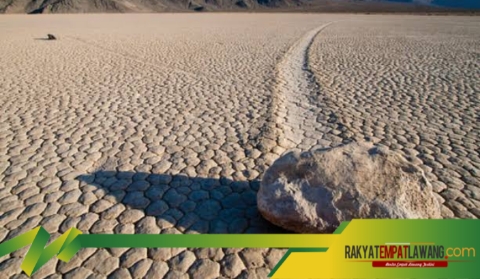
[315, 191]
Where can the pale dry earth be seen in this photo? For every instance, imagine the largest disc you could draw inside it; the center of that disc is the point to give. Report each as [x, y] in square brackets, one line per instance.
[165, 123]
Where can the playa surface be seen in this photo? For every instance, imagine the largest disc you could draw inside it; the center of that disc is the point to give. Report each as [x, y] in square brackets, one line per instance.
[165, 123]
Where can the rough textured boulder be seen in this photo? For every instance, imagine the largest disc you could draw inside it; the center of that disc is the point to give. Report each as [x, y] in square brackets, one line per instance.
[51, 37]
[316, 190]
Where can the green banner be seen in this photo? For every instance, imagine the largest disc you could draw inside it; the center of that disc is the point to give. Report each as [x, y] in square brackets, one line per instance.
[360, 248]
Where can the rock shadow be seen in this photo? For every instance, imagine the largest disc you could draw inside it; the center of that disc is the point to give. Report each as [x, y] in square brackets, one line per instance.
[189, 204]
[49, 37]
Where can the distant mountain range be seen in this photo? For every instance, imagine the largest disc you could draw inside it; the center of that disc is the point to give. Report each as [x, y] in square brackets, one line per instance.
[464, 4]
[139, 6]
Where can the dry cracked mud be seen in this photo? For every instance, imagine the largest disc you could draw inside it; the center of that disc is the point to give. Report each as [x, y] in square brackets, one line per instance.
[165, 123]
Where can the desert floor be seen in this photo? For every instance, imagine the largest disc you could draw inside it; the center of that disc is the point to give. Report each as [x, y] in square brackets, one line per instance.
[164, 123]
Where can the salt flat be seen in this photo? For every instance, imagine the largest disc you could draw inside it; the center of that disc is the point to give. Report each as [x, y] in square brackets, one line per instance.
[165, 123]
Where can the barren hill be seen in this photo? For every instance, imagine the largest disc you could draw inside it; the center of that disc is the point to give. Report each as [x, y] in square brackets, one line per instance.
[141, 6]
